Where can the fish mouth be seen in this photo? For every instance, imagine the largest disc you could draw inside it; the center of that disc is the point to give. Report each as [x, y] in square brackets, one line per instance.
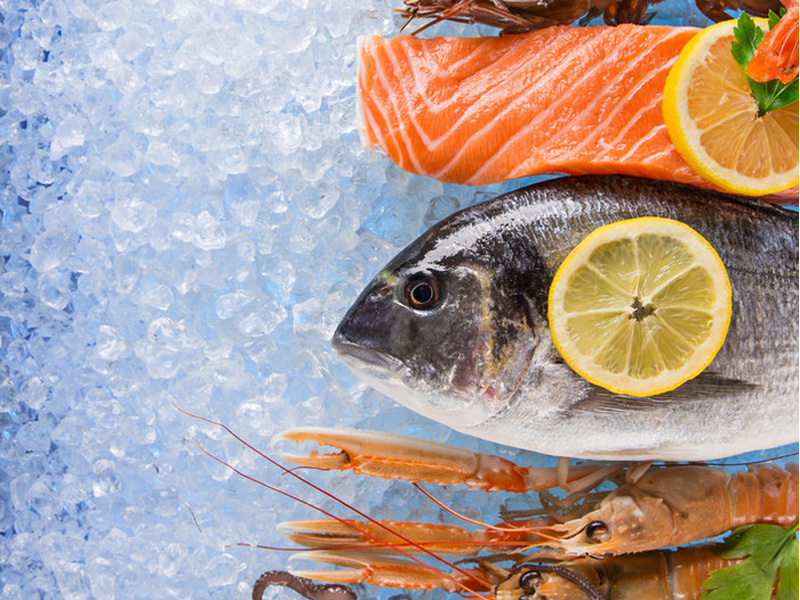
[365, 356]
[392, 377]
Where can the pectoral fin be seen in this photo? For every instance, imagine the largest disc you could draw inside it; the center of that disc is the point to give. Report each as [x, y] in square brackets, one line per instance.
[706, 386]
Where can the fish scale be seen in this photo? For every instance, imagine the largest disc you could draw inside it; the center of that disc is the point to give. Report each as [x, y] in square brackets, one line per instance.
[483, 362]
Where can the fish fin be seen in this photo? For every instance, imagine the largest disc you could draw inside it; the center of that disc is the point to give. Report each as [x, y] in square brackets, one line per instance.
[707, 385]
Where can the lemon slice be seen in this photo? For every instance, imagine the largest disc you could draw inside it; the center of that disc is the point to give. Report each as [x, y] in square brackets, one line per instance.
[640, 306]
[714, 123]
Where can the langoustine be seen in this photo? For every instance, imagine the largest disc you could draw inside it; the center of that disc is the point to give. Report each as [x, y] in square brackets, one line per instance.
[667, 505]
[655, 575]
[516, 16]
[385, 553]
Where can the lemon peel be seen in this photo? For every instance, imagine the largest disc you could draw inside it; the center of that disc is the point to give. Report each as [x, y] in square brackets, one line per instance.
[713, 120]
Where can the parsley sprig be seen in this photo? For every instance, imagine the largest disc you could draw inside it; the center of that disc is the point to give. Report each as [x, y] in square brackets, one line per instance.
[771, 552]
[770, 95]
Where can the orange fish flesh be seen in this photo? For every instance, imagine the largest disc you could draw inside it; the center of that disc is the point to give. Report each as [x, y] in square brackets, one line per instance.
[574, 100]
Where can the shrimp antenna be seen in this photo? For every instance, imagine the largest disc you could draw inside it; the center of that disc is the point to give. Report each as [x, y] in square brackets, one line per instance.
[466, 519]
[748, 463]
[455, 513]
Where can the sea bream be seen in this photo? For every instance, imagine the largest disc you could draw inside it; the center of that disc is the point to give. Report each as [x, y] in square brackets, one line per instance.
[455, 327]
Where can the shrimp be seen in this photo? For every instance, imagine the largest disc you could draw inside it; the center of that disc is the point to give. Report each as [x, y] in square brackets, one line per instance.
[670, 506]
[515, 16]
[777, 55]
[666, 506]
[655, 575]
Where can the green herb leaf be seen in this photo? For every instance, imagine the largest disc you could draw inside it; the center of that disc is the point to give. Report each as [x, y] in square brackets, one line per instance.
[769, 95]
[769, 552]
[748, 37]
[772, 18]
[788, 571]
[775, 95]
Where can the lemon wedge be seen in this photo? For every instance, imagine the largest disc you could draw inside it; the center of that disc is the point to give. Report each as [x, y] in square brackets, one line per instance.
[640, 306]
[714, 123]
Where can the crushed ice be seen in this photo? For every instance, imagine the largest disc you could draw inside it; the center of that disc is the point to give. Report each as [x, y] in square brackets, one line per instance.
[186, 213]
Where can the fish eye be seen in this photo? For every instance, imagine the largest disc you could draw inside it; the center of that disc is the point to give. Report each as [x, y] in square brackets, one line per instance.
[597, 531]
[422, 291]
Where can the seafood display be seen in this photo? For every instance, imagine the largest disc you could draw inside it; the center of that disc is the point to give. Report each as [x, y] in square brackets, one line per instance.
[664, 506]
[198, 199]
[455, 328]
[658, 575]
[560, 100]
[524, 15]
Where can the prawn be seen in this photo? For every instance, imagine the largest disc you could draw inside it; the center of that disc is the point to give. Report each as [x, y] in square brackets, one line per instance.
[668, 505]
[385, 553]
[671, 506]
[516, 16]
[777, 55]
[655, 575]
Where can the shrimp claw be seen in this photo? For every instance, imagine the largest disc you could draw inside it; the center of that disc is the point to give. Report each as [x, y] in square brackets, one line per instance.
[391, 456]
[375, 569]
[381, 536]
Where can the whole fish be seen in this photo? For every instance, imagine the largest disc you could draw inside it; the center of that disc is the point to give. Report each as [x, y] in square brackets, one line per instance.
[455, 327]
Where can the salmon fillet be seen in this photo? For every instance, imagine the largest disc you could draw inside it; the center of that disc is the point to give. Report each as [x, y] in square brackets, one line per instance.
[575, 100]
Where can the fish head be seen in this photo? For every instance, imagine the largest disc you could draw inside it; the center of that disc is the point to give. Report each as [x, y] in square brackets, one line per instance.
[443, 337]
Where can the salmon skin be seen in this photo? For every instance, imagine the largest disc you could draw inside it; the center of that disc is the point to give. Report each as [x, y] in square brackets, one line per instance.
[574, 100]
[455, 327]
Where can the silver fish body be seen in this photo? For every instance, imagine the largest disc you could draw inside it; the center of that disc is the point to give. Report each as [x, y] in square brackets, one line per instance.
[455, 327]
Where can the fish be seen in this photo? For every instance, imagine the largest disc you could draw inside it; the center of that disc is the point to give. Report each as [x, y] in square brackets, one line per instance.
[455, 327]
[484, 110]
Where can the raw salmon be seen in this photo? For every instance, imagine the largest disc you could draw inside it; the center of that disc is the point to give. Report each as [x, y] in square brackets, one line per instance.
[576, 100]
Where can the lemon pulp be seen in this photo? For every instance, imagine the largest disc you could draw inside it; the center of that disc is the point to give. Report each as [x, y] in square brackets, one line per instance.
[640, 306]
[714, 121]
